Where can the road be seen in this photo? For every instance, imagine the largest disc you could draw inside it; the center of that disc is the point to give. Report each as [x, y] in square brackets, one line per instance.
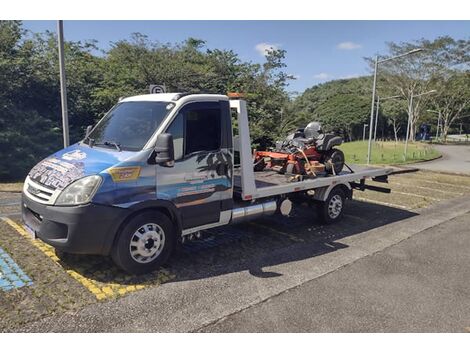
[455, 158]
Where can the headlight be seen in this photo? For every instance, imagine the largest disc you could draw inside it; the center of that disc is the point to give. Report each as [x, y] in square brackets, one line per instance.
[80, 191]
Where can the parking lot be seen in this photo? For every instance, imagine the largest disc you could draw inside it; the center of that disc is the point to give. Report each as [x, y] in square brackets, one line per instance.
[44, 285]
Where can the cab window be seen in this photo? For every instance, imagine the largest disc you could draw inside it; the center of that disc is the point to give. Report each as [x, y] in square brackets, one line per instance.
[197, 128]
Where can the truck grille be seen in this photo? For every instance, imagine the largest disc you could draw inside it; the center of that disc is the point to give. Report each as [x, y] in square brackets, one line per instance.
[39, 193]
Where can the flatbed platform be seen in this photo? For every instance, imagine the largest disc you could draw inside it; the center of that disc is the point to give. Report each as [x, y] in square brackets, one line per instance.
[269, 182]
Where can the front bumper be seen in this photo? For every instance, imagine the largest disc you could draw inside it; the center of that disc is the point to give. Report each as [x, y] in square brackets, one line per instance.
[83, 229]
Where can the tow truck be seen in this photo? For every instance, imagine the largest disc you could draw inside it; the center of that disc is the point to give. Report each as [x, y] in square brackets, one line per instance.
[161, 168]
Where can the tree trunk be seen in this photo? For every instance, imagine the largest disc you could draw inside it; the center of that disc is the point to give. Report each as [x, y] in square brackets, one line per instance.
[395, 131]
[445, 130]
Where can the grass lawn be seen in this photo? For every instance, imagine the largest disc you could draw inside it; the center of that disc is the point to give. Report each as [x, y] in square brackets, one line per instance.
[387, 152]
[11, 187]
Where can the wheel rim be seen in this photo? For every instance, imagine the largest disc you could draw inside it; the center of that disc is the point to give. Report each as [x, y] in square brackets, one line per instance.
[147, 243]
[335, 206]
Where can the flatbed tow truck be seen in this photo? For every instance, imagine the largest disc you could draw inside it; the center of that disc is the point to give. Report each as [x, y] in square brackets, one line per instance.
[160, 168]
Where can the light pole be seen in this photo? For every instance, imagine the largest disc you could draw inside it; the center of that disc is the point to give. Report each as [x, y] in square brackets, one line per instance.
[438, 121]
[374, 84]
[63, 85]
[377, 111]
[410, 112]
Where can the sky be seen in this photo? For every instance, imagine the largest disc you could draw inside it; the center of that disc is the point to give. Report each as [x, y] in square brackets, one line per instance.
[317, 51]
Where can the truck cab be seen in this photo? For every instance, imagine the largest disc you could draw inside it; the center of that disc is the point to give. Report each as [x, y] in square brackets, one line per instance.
[157, 169]
[165, 154]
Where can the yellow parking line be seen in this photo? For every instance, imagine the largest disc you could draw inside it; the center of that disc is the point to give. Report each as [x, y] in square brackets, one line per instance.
[49, 251]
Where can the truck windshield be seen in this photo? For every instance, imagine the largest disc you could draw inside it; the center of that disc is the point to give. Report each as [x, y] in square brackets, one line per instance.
[129, 125]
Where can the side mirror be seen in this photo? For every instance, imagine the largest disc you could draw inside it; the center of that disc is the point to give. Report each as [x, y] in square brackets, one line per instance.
[164, 151]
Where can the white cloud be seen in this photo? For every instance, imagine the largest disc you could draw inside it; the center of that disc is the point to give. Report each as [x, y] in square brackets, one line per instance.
[263, 48]
[322, 76]
[353, 75]
[348, 46]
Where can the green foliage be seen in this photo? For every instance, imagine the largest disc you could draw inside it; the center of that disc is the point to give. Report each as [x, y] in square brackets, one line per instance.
[30, 114]
[342, 106]
[387, 153]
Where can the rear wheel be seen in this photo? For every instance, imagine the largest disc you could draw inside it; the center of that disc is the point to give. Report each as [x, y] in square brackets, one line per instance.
[334, 161]
[331, 210]
[145, 243]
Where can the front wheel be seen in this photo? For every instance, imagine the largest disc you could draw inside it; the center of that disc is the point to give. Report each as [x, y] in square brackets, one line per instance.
[331, 210]
[145, 243]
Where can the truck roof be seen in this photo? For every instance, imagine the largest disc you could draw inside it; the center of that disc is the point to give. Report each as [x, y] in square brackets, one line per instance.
[168, 97]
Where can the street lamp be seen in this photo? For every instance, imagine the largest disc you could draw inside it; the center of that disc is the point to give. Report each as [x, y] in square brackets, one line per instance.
[377, 62]
[377, 111]
[410, 112]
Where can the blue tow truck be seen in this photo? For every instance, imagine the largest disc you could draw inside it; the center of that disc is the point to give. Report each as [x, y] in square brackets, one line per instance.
[160, 168]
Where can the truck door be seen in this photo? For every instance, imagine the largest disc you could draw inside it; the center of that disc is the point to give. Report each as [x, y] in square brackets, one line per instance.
[200, 182]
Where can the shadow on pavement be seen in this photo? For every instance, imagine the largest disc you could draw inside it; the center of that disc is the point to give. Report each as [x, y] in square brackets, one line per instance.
[252, 246]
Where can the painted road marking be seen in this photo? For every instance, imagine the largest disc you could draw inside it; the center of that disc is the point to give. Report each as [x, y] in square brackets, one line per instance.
[99, 289]
[382, 203]
[11, 275]
[427, 188]
[445, 184]
[417, 195]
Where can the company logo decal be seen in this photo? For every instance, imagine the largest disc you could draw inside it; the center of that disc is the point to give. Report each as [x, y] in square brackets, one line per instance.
[56, 173]
[122, 174]
[76, 154]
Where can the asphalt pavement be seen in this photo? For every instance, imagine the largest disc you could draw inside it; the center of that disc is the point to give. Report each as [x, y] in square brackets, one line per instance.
[455, 159]
[419, 285]
[380, 279]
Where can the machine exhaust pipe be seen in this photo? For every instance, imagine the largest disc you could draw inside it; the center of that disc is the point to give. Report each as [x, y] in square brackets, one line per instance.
[253, 211]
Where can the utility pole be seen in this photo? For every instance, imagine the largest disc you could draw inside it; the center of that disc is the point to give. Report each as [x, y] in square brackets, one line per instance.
[372, 109]
[373, 93]
[63, 84]
[376, 117]
[410, 112]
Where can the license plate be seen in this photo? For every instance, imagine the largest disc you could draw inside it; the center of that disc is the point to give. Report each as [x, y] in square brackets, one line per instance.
[30, 231]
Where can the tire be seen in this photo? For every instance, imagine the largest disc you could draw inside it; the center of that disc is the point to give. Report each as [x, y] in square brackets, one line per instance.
[335, 158]
[145, 253]
[331, 210]
[290, 169]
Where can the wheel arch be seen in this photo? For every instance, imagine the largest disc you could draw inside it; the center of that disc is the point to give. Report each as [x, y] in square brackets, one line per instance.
[322, 194]
[166, 207]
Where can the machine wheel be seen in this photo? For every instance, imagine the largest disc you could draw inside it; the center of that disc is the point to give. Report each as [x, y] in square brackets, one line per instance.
[334, 160]
[145, 243]
[290, 169]
[331, 210]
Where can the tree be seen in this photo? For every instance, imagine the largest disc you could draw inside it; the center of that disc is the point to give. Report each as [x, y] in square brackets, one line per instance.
[414, 74]
[342, 106]
[453, 98]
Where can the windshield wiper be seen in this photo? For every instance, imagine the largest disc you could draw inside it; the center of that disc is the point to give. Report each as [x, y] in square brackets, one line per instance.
[91, 141]
[111, 143]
